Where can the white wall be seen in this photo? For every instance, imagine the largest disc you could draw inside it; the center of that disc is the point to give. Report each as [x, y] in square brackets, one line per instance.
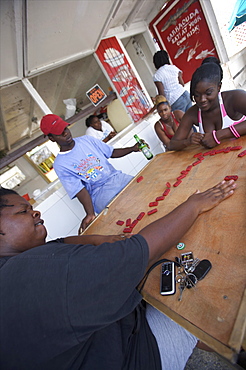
[234, 43]
[144, 65]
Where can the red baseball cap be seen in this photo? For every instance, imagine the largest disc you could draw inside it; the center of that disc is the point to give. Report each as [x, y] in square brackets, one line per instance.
[52, 124]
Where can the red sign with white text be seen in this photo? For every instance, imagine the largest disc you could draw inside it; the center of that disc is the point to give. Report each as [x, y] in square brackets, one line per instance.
[181, 29]
[118, 68]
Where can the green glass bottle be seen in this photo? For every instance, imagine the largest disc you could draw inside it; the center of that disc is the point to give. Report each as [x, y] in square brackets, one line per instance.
[144, 148]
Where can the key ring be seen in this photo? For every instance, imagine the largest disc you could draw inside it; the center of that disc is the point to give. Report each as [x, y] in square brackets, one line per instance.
[179, 278]
[191, 280]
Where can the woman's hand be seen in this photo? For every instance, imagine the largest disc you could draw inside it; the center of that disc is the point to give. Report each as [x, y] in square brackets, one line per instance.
[213, 196]
[208, 140]
[196, 138]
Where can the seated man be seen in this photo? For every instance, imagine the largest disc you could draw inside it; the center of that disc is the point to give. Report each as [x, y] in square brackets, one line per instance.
[68, 304]
[99, 128]
[83, 167]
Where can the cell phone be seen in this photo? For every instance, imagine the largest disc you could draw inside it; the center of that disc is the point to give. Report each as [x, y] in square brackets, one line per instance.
[168, 285]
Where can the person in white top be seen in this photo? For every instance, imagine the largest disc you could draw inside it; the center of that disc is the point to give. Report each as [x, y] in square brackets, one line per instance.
[169, 82]
[99, 129]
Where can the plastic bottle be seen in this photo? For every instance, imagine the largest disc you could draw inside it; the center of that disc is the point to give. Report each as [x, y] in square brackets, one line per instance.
[144, 148]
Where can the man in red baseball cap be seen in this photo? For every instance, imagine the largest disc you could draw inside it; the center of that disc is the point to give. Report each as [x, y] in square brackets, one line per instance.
[52, 124]
[83, 167]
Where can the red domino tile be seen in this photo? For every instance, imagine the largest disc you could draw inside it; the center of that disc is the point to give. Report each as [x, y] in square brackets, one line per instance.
[160, 198]
[188, 168]
[127, 230]
[227, 150]
[177, 183]
[219, 151]
[152, 211]
[166, 192]
[153, 204]
[232, 177]
[134, 223]
[181, 177]
[140, 216]
[140, 178]
[236, 147]
[242, 154]
[197, 155]
[196, 163]
[128, 222]
[168, 185]
[119, 222]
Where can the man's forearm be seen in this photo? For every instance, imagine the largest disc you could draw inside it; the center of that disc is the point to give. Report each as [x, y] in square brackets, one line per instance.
[121, 152]
[85, 199]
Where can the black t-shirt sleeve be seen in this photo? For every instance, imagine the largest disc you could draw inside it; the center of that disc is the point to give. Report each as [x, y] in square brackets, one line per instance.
[101, 283]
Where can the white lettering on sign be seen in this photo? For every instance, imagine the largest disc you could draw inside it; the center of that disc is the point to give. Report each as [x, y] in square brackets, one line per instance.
[183, 27]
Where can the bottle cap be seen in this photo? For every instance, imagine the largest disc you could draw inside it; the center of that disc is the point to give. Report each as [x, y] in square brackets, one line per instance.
[180, 246]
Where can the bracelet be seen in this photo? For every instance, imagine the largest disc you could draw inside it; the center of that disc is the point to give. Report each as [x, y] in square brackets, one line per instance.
[215, 138]
[234, 131]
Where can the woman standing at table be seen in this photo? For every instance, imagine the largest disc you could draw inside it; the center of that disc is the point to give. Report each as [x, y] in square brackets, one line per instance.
[169, 82]
[220, 115]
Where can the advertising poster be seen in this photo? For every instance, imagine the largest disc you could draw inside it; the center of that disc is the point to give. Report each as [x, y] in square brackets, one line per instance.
[181, 29]
[116, 64]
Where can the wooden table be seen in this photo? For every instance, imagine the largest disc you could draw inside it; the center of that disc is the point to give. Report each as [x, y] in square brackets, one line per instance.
[215, 310]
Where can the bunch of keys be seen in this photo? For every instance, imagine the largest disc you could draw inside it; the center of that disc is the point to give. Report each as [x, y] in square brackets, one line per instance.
[185, 280]
[190, 271]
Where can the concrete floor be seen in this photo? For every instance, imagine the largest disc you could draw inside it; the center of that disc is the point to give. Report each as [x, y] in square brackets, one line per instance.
[203, 360]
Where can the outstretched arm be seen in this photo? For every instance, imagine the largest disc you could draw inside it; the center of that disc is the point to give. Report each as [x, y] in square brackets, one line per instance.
[85, 199]
[121, 152]
[94, 239]
[166, 232]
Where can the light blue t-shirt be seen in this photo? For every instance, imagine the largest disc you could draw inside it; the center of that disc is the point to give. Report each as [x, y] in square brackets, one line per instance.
[86, 165]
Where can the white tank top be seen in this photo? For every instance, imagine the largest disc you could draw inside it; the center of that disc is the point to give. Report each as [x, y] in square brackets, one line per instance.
[226, 120]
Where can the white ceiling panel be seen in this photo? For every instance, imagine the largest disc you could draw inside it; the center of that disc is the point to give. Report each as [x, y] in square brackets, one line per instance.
[11, 65]
[61, 31]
